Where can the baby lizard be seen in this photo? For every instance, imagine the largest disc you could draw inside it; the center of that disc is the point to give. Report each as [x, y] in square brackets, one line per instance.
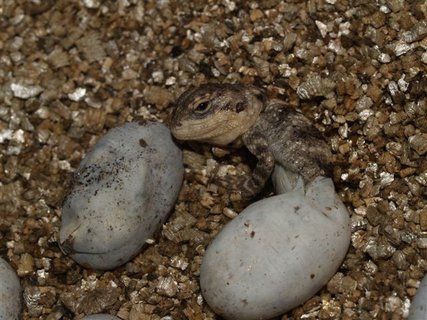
[222, 114]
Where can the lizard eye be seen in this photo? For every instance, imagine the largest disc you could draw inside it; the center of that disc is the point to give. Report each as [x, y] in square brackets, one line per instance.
[202, 107]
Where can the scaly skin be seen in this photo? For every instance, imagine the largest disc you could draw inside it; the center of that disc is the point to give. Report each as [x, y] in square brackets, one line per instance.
[221, 114]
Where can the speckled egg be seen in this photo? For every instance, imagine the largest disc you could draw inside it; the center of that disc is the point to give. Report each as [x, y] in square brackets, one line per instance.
[277, 253]
[100, 316]
[10, 293]
[418, 310]
[122, 193]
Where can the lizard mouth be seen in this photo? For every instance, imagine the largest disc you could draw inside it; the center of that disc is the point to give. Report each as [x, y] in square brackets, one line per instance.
[214, 131]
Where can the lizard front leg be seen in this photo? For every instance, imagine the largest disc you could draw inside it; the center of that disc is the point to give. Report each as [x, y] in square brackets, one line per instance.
[257, 144]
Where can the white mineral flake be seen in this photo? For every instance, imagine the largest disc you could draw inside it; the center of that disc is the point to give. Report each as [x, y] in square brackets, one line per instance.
[90, 283]
[386, 178]
[393, 303]
[364, 103]
[422, 179]
[129, 74]
[343, 130]
[144, 112]
[302, 93]
[323, 28]
[311, 314]
[65, 165]
[163, 3]
[393, 88]
[123, 4]
[190, 35]
[224, 170]
[422, 243]
[372, 167]
[24, 91]
[384, 9]
[334, 46]
[365, 87]
[210, 165]
[17, 43]
[384, 58]
[286, 71]
[41, 274]
[300, 53]
[42, 113]
[179, 262]
[215, 72]
[150, 241]
[331, 1]
[365, 114]
[26, 175]
[344, 28]
[392, 206]
[10, 244]
[230, 5]
[403, 85]
[371, 267]
[170, 81]
[405, 307]
[424, 57]
[77, 95]
[167, 286]
[229, 213]
[199, 299]
[5, 134]
[91, 4]
[13, 150]
[158, 76]
[402, 47]
[18, 136]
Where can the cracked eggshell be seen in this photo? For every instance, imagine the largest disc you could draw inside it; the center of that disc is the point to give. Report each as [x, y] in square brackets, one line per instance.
[10, 293]
[418, 309]
[285, 180]
[122, 193]
[277, 253]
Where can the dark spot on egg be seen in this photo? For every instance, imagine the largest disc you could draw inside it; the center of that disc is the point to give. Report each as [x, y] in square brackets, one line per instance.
[312, 276]
[142, 143]
[252, 234]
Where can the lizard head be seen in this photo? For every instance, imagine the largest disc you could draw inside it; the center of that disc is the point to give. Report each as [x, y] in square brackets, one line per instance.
[216, 113]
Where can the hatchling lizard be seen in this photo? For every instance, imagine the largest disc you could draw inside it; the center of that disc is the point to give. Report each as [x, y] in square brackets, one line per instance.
[222, 114]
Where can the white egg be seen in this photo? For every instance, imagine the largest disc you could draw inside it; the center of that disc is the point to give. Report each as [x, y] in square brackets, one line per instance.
[122, 193]
[10, 293]
[277, 253]
[418, 309]
[100, 316]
